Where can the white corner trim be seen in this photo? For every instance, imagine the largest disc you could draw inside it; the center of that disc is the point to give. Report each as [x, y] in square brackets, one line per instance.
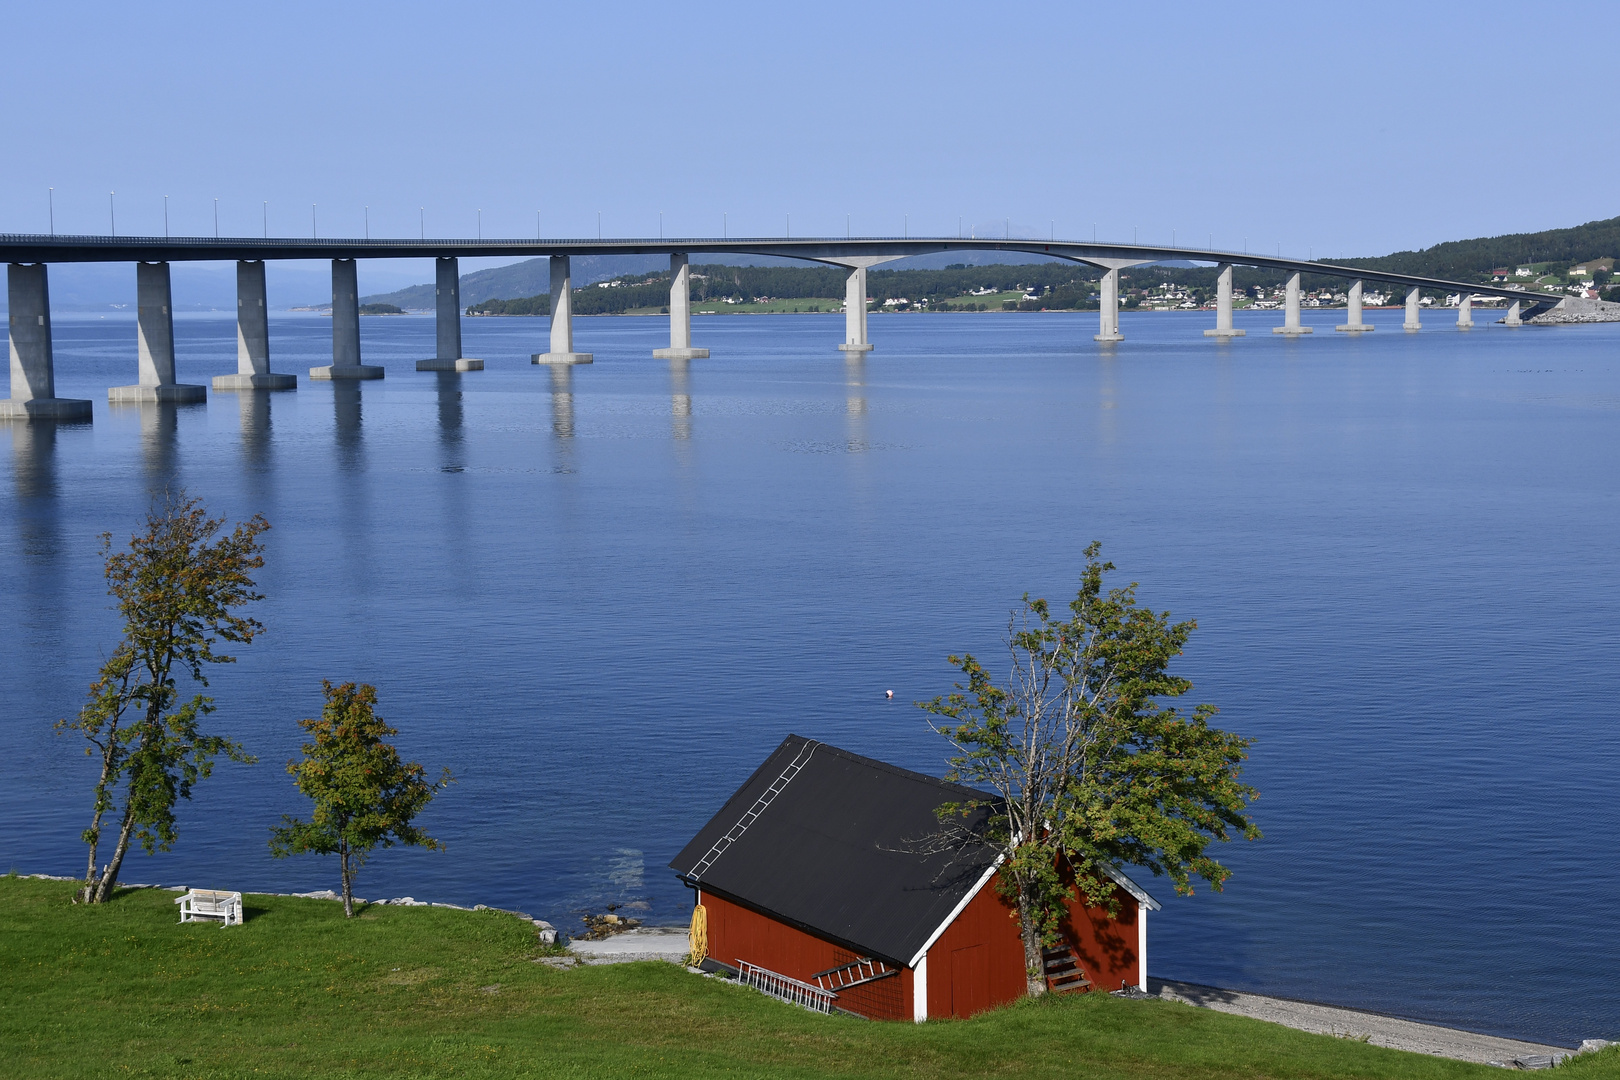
[1141, 946]
[1137, 892]
[957, 910]
[919, 991]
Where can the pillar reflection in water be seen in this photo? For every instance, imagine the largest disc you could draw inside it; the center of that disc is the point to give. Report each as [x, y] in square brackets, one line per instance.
[562, 415]
[33, 460]
[562, 402]
[346, 414]
[680, 400]
[160, 427]
[38, 600]
[451, 439]
[33, 468]
[255, 409]
[855, 401]
[1108, 396]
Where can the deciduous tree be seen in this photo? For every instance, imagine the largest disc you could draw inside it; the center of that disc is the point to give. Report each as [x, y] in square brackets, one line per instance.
[364, 795]
[178, 587]
[1086, 765]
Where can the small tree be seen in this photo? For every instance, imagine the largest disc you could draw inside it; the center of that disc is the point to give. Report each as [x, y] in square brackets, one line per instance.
[363, 794]
[1087, 768]
[177, 587]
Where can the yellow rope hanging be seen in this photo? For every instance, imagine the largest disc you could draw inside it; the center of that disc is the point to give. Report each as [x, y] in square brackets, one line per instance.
[698, 936]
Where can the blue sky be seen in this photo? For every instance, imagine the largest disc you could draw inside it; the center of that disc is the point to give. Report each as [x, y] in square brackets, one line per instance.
[1326, 129]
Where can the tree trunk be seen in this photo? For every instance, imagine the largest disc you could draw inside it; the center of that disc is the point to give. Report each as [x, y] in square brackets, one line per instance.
[348, 887]
[92, 835]
[1034, 955]
[109, 874]
[94, 840]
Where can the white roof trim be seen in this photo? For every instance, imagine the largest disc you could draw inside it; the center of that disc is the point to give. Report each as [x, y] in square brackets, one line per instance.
[989, 873]
[1138, 894]
[1136, 891]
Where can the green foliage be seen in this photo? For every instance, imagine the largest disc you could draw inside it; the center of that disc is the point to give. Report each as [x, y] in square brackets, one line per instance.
[364, 795]
[1085, 767]
[177, 588]
[381, 309]
[299, 992]
[1473, 260]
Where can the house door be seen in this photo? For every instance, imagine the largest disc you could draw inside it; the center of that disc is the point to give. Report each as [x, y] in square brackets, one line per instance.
[970, 980]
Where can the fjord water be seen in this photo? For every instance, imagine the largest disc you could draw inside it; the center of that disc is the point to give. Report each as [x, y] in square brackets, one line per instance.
[601, 595]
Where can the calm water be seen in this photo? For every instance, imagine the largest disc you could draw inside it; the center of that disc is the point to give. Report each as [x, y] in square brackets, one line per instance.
[601, 596]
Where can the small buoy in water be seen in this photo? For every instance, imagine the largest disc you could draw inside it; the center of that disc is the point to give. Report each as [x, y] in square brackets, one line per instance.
[888, 693]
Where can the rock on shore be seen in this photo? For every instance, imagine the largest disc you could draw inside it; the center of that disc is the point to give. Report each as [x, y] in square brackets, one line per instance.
[1576, 310]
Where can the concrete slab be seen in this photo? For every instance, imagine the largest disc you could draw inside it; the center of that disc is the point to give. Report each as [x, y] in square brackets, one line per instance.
[177, 393]
[347, 371]
[267, 381]
[1225, 333]
[668, 943]
[1354, 328]
[463, 364]
[51, 408]
[680, 354]
[1369, 1027]
[560, 358]
[1292, 331]
[855, 348]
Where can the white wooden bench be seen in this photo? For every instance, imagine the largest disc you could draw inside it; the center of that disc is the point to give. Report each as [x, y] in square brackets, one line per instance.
[202, 905]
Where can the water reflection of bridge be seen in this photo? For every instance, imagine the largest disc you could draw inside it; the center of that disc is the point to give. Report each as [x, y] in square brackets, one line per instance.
[33, 380]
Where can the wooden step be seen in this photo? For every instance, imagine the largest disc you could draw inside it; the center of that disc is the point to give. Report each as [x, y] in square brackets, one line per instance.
[1063, 971]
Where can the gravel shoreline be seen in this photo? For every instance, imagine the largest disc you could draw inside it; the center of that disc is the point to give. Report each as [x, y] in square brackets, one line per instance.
[1374, 1028]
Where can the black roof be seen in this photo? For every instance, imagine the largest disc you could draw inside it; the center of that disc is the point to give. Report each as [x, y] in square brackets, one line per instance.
[839, 849]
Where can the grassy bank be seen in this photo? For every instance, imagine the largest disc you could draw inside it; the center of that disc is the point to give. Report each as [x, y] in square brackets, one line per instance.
[417, 992]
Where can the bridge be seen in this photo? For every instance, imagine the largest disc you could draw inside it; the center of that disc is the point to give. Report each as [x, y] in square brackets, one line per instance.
[33, 376]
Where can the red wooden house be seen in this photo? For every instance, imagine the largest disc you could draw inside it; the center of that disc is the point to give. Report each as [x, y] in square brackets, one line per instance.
[817, 884]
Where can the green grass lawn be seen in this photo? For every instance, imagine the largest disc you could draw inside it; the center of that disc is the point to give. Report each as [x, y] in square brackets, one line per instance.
[124, 990]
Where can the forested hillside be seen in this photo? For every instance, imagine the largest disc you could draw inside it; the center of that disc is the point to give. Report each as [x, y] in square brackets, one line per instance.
[1473, 260]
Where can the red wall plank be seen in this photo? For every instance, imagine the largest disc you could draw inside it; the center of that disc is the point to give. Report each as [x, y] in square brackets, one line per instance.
[1106, 947]
[739, 933]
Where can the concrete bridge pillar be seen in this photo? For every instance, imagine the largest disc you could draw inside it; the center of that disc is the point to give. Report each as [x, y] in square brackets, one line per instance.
[855, 311]
[1512, 318]
[33, 369]
[1353, 324]
[1465, 312]
[1413, 322]
[1223, 306]
[562, 318]
[1108, 307]
[154, 330]
[253, 336]
[680, 314]
[346, 328]
[1291, 309]
[447, 320]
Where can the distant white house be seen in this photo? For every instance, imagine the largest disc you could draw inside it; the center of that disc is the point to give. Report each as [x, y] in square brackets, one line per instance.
[1524, 271]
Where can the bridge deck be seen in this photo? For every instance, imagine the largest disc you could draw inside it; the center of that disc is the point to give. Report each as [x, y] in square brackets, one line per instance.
[836, 251]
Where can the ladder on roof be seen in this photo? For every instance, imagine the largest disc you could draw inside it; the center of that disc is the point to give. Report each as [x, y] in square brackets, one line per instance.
[765, 799]
[1063, 971]
[855, 973]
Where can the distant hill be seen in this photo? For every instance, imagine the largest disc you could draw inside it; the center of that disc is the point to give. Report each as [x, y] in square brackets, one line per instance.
[1471, 260]
[533, 276]
[1460, 260]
